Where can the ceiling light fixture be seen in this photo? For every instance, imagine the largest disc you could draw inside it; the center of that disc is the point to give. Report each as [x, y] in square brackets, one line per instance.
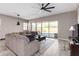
[18, 23]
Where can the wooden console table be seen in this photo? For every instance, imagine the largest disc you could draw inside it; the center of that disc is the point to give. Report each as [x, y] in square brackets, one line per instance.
[74, 50]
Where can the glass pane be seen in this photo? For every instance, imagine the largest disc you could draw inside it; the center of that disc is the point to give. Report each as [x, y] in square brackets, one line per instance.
[54, 23]
[33, 26]
[53, 28]
[45, 29]
[29, 26]
[45, 24]
[24, 26]
[39, 27]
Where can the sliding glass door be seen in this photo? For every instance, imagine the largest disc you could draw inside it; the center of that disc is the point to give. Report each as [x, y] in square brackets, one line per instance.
[33, 26]
[25, 26]
[48, 29]
[45, 29]
[39, 28]
[53, 29]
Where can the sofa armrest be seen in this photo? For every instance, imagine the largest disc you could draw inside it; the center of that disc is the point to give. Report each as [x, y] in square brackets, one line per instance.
[32, 47]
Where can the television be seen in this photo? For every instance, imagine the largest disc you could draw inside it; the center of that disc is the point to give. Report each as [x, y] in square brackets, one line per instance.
[76, 33]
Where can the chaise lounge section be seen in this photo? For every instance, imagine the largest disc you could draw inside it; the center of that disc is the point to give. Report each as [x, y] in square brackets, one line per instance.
[20, 44]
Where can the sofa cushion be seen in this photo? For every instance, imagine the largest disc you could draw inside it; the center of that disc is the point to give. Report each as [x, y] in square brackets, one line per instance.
[21, 37]
[20, 44]
[31, 38]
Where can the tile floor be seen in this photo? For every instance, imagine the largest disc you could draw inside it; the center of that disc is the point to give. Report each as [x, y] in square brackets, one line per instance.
[50, 47]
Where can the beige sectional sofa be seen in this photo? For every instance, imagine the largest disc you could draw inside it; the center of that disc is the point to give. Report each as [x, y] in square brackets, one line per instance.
[20, 44]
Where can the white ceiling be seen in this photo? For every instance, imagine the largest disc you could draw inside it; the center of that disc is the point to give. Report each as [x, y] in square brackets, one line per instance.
[32, 10]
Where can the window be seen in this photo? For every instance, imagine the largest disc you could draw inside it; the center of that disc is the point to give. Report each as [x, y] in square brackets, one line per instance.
[49, 29]
[39, 27]
[45, 29]
[33, 26]
[29, 26]
[24, 26]
[53, 28]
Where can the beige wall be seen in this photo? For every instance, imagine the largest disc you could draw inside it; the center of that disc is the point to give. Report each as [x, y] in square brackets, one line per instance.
[8, 25]
[65, 20]
[78, 13]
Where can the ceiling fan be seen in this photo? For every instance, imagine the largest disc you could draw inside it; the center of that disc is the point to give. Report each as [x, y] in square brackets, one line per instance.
[46, 8]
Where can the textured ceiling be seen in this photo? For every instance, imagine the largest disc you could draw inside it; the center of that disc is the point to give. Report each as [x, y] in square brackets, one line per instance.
[32, 10]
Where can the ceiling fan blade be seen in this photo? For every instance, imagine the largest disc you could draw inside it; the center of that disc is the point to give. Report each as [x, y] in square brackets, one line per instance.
[47, 10]
[49, 7]
[46, 5]
[42, 4]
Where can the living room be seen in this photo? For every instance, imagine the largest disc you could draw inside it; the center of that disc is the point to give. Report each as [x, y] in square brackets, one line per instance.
[29, 29]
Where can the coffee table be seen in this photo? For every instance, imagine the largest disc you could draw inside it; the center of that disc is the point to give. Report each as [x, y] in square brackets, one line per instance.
[40, 38]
